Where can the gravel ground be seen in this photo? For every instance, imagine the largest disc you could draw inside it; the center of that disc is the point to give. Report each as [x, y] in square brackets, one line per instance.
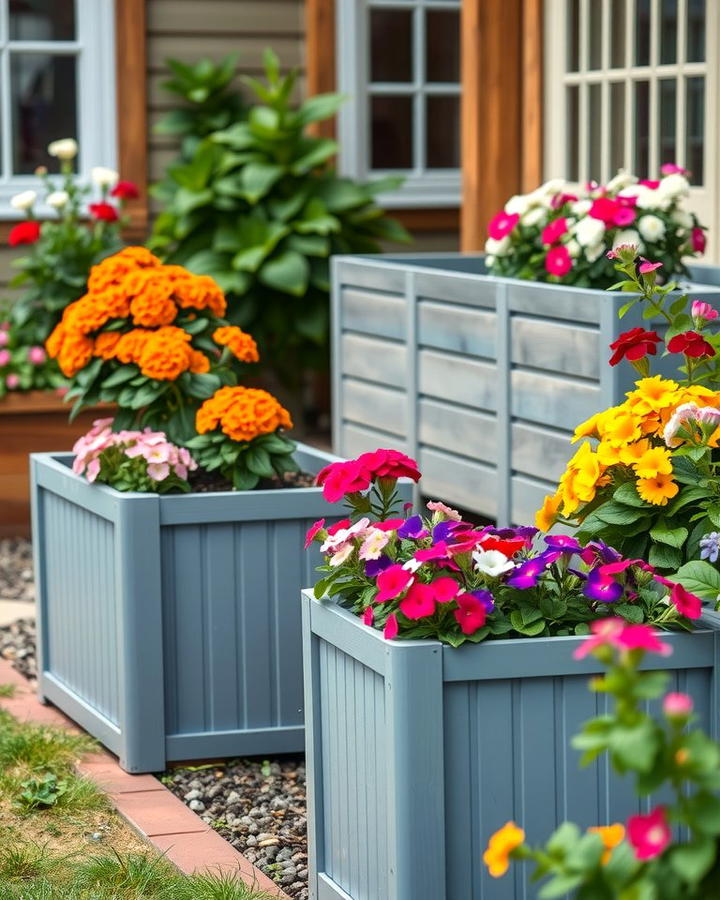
[259, 807]
[16, 570]
[17, 643]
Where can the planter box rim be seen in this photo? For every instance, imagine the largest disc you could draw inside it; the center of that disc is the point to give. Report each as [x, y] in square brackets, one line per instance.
[58, 462]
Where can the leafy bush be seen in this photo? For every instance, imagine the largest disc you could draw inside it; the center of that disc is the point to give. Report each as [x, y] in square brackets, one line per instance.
[259, 209]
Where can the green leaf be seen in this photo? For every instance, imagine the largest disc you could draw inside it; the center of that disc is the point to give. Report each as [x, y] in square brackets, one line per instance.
[693, 861]
[704, 812]
[289, 272]
[629, 612]
[119, 376]
[673, 537]
[200, 385]
[634, 747]
[258, 462]
[618, 514]
[699, 577]
[257, 179]
[664, 556]
[628, 495]
[319, 107]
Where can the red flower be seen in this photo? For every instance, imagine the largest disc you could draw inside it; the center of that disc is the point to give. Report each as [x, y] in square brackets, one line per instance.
[554, 230]
[558, 261]
[691, 344]
[313, 530]
[103, 212]
[650, 834]
[391, 627]
[392, 582]
[337, 526]
[605, 209]
[508, 547]
[634, 345]
[502, 224]
[419, 602]
[698, 240]
[125, 190]
[24, 233]
[342, 478]
[470, 614]
[389, 464]
[685, 603]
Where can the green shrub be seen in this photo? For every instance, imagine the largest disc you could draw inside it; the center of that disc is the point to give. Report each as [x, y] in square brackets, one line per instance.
[259, 208]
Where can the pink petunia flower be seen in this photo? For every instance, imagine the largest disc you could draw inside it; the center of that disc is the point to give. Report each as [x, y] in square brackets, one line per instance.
[649, 835]
[685, 603]
[646, 266]
[698, 240]
[642, 637]
[470, 614]
[4, 338]
[4, 357]
[314, 529]
[419, 602]
[158, 471]
[502, 224]
[554, 230]
[445, 589]
[372, 546]
[673, 169]
[624, 216]
[701, 310]
[391, 627]
[677, 705]
[443, 511]
[558, 261]
[368, 616]
[392, 582]
[605, 632]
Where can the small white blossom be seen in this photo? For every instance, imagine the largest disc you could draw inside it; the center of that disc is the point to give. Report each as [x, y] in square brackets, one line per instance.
[673, 186]
[588, 231]
[628, 236]
[23, 201]
[581, 207]
[104, 178]
[534, 216]
[594, 252]
[57, 199]
[623, 179]
[573, 248]
[66, 148]
[682, 218]
[517, 204]
[651, 228]
[492, 562]
[498, 248]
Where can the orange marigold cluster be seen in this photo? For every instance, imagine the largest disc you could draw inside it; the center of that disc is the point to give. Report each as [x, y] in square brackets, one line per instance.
[240, 344]
[135, 286]
[242, 413]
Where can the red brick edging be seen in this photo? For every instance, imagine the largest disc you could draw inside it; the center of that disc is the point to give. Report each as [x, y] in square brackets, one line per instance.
[143, 801]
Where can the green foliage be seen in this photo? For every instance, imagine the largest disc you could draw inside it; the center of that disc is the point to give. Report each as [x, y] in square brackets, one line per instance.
[23, 371]
[41, 792]
[259, 208]
[244, 463]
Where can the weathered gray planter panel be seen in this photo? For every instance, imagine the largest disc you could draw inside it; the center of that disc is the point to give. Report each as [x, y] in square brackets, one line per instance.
[417, 753]
[482, 379]
[169, 626]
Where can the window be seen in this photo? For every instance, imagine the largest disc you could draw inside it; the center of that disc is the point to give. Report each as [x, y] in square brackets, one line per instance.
[633, 84]
[399, 64]
[57, 80]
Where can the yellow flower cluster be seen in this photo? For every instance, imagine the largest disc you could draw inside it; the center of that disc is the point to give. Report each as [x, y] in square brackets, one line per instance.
[630, 443]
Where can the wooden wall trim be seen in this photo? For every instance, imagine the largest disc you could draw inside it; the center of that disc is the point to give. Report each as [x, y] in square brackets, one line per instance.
[131, 73]
[320, 56]
[501, 63]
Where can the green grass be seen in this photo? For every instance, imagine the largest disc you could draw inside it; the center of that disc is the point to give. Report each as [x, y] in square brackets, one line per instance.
[7, 690]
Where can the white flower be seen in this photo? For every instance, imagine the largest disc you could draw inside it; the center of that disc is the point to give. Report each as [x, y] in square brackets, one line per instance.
[628, 236]
[589, 231]
[517, 204]
[594, 252]
[573, 248]
[675, 185]
[651, 228]
[534, 216]
[581, 207]
[489, 261]
[648, 198]
[622, 180]
[23, 201]
[682, 218]
[492, 562]
[498, 248]
[57, 199]
[66, 148]
[412, 565]
[552, 187]
[104, 178]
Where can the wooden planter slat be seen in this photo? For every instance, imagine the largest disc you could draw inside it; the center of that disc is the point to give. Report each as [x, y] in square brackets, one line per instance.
[481, 378]
[418, 752]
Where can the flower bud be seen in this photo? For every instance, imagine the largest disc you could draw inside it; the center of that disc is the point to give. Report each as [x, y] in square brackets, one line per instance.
[23, 201]
[58, 199]
[104, 178]
[677, 706]
[64, 149]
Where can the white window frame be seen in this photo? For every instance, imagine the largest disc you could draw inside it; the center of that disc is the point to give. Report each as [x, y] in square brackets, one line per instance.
[705, 199]
[94, 48]
[422, 187]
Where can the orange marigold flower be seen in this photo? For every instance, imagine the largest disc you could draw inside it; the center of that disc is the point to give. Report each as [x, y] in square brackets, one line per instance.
[199, 292]
[199, 362]
[106, 343]
[131, 344]
[75, 353]
[166, 354]
[611, 836]
[242, 413]
[55, 341]
[240, 344]
[501, 846]
[151, 292]
[85, 315]
[111, 270]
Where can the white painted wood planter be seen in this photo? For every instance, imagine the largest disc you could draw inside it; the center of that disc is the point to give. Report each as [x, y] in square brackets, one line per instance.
[418, 752]
[481, 379]
[169, 626]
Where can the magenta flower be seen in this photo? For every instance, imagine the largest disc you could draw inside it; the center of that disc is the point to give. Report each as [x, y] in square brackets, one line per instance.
[698, 240]
[646, 266]
[338, 526]
[368, 616]
[419, 602]
[685, 603]
[445, 589]
[4, 357]
[313, 530]
[502, 224]
[642, 637]
[527, 574]
[624, 216]
[12, 381]
[554, 230]
[673, 169]
[470, 614]
[558, 261]
[392, 582]
[391, 627]
[439, 551]
[605, 632]
[700, 310]
[36, 355]
[563, 542]
[677, 706]
[388, 524]
[649, 835]
[600, 587]
[652, 183]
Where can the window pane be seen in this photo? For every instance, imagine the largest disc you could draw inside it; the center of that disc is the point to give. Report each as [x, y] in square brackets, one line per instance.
[594, 138]
[642, 128]
[668, 31]
[696, 31]
[391, 54]
[618, 35]
[392, 132]
[617, 132]
[443, 132]
[43, 107]
[642, 33]
[573, 116]
[668, 101]
[442, 45]
[573, 49]
[695, 128]
[595, 36]
[42, 20]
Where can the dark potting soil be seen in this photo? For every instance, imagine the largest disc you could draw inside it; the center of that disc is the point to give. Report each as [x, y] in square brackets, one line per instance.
[211, 482]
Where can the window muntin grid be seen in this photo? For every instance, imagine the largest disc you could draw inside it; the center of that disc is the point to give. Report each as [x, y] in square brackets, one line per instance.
[397, 121]
[29, 51]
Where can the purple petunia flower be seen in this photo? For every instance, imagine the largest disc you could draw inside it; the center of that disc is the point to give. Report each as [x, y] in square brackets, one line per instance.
[602, 588]
[528, 573]
[599, 550]
[373, 567]
[526, 532]
[485, 597]
[563, 542]
[443, 530]
[412, 528]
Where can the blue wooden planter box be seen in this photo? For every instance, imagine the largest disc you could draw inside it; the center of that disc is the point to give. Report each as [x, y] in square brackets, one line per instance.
[418, 752]
[169, 626]
[482, 379]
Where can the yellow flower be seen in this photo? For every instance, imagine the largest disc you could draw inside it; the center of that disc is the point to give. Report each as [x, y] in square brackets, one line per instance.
[633, 452]
[500, 846]
[623, 428]
[654, 462]
[547, 514]
[653, 394]
[611, 835]
[588, 428]
[657, 490]
[608, 454]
